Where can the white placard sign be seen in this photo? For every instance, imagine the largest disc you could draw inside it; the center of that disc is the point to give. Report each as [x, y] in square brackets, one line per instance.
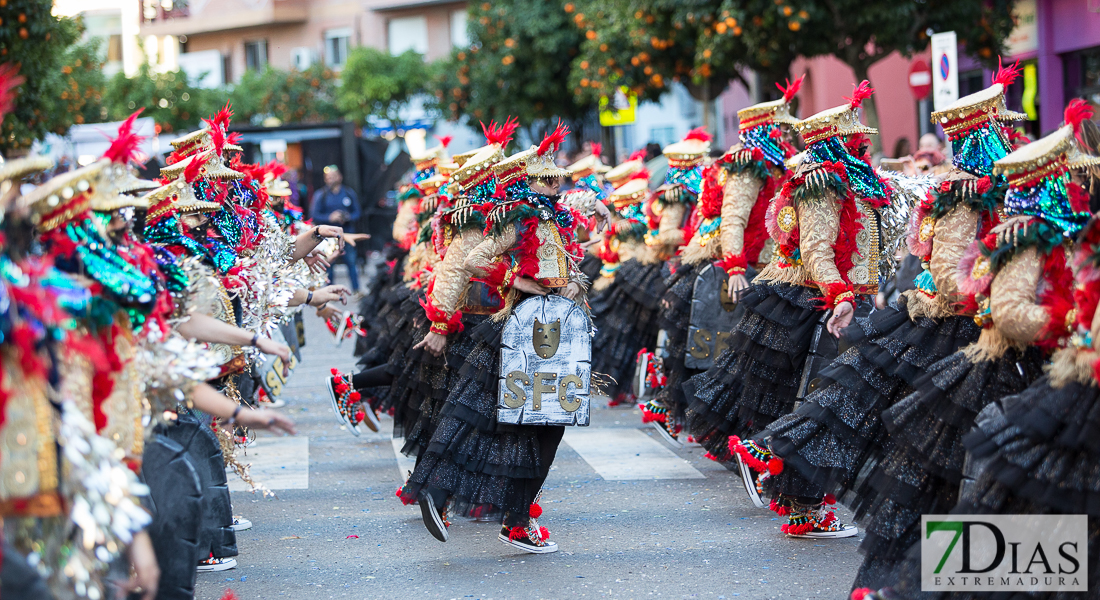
[945, 69]
[545, 364]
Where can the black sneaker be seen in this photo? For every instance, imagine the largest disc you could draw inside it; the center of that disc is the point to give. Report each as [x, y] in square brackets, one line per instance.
[436, 524]
[533, 539]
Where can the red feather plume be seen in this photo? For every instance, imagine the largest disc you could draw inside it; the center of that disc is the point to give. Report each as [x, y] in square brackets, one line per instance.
[9, 80]
[791, 88]
[222, 117]
[862, 92]
[698, 134]
[640, 174]
[1006, 75]
[124, 148]
[217, 135]
[192, 170]
[276, 168]
[597, 150]
[500, 134]
[234, 137]
[552, 141]
[638, 155]
[444, 140]
[1077, 112]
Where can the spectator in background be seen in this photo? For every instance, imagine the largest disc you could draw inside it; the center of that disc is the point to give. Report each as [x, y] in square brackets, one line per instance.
[652, 150]
[930, 141]
[902, 148]
[336, 204]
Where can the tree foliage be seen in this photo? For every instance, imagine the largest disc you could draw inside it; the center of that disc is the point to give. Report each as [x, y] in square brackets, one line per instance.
[84, 82]
[32, 38]
[518, 64]
[290, 96]
[169, 98]
[376, 83]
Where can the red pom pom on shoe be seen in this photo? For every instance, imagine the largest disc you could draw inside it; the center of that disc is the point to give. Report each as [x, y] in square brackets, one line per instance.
[830, 499]
[334, 371]
[359, 416]
[354, 396]
[341, 389]
[544, 533]
[517, 533]
[860, 593]
[733, 441]
[775, 466]
[536, 511]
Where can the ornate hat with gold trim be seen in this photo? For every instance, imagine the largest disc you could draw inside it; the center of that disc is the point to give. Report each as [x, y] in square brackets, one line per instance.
[176, 196]
[432, 184]
[64, 197]
[478, 169]
[213, 167]
[839, 121]
[621, 173]
[514, 167]
[541, 165]
[1037, 174]
[629, 193]
[690, 151]
[431, 157]
[589, 164]
[980, 107]
[774, 112]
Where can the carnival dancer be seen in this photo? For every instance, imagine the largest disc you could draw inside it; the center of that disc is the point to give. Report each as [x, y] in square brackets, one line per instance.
[474, 461]
[589, 174]
[730, 237]
[822, 263]
[1034, 453]
[415, 358]
[628, 226]
[1023, 289]
[626, 314]
[822, 447]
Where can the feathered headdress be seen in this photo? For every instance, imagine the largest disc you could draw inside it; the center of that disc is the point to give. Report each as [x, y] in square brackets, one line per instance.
[124, 148]
[638, 155]
[791, 88]
[862, 92]
[1006, 75]
[444, 140]
[698, 133]
[222, 117]
[217, 134]
[500, 134]
[1076, 113]
[553, 140]
[193, 170]
[597, 150]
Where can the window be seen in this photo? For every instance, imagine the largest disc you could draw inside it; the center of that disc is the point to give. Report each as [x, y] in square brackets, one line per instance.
[408, 33]
[336, 46]
[255, 55]
[662, 135]
[460, 36]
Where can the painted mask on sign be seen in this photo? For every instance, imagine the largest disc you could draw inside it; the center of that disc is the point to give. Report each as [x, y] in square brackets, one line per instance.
[546, 337]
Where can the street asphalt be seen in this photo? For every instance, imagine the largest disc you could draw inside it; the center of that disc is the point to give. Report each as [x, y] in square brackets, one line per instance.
[632, 517]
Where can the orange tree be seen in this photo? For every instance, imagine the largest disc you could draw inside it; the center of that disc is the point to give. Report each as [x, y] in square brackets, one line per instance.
[35, 41]
[517, 64]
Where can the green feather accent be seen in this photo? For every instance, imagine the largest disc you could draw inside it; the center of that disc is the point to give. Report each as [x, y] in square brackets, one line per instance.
[1040, 235]
[816, 182]
[755, 168]
[502, 215]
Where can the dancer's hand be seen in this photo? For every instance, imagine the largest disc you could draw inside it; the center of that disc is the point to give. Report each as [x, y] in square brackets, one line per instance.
[330, 293]
[328, 313]
[737, 284]
[270, 346]
[603, 216]
[332, 232]
[842, 317]
[571, 291]
[526, 284]
[434, 343]
[146, 570]
[265, 419]
[353, 238]
[316, 262]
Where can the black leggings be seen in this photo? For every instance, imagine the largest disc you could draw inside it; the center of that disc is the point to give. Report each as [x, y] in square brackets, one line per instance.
[373, 377]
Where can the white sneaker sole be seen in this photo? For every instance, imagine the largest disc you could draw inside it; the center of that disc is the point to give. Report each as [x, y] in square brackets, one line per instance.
[242, 525]
[748, 479]
[547, 549]
[847, 532]
[222, 566]
[432, 520]
[370, 419]
[336, 407]
[675, 443]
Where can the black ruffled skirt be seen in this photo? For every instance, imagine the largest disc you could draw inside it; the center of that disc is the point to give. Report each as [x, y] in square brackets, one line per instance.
[674, 318]
[1038, 452]
[478, 462]
[382, 297]
[838, 431]
[590, 266]
[755, 380]
[923, 467]
[625, 317]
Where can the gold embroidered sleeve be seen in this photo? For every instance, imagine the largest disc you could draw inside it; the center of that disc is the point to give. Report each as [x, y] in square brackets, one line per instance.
[669, 232]
[954, 233]
[490, 250]
[1012, 298]
[405, 220]
[818, 225]
[451, 276]
[738, 197]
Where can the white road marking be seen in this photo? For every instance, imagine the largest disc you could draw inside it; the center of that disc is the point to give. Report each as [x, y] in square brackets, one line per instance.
[628, 454]
[279, 463]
